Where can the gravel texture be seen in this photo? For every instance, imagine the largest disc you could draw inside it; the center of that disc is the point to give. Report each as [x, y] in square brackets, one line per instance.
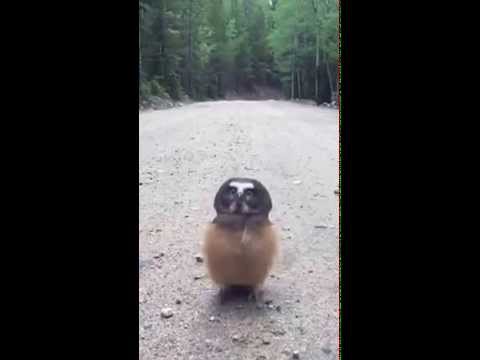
[185, 155]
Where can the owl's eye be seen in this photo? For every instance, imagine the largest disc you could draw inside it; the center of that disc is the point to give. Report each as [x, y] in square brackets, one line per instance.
[233, 190]
[249, 193]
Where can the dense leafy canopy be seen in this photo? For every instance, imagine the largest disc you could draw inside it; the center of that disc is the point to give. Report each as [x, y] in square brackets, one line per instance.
[208, 49]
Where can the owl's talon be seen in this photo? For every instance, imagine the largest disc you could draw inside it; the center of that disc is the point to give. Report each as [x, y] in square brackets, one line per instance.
[221, 296]
[256, 296]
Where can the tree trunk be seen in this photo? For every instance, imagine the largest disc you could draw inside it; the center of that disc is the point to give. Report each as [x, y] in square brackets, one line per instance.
[329, 75]
[338, 85]
[292, 84]
[163, 50]
[317, 50]
[189, 50]
[299, 84]
[219, 85]
[317, 65]
[140, 78]
[304, 82]
[294, 55]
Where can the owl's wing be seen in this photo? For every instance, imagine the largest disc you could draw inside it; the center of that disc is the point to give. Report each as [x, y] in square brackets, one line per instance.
[285, 255]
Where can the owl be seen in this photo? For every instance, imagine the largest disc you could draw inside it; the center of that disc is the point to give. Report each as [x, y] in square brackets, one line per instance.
[241, 244]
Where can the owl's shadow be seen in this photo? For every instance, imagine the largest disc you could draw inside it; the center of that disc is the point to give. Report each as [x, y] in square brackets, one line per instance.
[237, 297]
[236, 294]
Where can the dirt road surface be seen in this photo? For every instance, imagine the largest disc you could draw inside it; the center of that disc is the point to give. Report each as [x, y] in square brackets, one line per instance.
[185, 155]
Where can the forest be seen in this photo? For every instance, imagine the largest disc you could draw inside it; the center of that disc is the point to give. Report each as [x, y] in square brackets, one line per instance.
[220, 49]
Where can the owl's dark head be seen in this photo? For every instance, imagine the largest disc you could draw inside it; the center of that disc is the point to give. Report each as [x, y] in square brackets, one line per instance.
[243, 196]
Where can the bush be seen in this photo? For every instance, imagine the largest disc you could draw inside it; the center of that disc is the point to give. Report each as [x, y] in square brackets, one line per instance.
[144, 90]
[174, 87]
[158, 90]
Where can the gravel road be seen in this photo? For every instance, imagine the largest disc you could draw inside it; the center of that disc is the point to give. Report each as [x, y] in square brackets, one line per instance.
[185, 155]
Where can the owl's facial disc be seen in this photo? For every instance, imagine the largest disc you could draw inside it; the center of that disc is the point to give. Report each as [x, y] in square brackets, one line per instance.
[243, 201]
[241, 187]
[241, 196]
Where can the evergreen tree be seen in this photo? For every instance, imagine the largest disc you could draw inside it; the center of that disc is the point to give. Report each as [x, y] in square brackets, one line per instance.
[207, 49]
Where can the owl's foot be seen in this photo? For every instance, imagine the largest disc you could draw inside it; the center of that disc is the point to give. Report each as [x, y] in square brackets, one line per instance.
[257, 296]
[222, 295]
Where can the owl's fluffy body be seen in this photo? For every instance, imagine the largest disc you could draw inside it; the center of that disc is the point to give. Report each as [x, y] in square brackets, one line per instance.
[241, 243]
[240, 256]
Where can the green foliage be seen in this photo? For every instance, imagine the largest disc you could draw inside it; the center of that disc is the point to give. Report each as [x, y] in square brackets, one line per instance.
[304, 30]
[158, 90]
[208, 48]
[144, 90]
[174, 87]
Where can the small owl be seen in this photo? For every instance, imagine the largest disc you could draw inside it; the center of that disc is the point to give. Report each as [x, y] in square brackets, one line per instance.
[241, 243]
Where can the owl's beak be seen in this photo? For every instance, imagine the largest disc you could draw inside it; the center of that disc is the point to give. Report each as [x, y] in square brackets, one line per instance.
[245, 208]
[234, 208]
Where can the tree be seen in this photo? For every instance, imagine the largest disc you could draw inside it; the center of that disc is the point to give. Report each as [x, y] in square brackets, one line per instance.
[208, 48]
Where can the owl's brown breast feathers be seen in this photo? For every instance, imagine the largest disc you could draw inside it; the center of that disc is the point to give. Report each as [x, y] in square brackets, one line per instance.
[231, 261]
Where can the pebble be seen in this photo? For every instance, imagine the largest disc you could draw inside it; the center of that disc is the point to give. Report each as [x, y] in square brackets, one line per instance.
[178, 301]
[235, 337]
[321, 226]
[198, 277]
[278, 308]
[296, 355]
[212, 318]
[326, 350]
[279, 332]
[199, 258]
[336, 191]
[265, 342]
[297, 182]
[166, 313]
[159, 255]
